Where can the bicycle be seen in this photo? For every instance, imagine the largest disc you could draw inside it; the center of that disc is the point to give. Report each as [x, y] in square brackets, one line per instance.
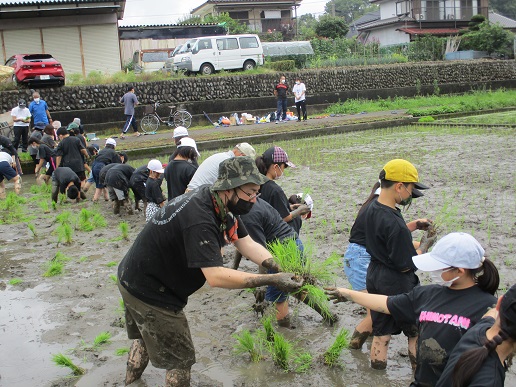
[151, 120]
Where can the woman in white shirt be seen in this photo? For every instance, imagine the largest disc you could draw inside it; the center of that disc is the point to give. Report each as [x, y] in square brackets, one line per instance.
[299, 91]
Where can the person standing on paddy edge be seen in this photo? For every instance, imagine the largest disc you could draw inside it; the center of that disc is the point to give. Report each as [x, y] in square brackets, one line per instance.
[179, 250]
[129, 101]
[464, 282]
[21, 117]
[39, 110]
[280, 91]
[389, 242]
[299, 91]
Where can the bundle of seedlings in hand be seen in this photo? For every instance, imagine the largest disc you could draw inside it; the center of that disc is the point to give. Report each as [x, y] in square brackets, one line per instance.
[332, 354]
[64, 361]
[313, 272]
[249, 343]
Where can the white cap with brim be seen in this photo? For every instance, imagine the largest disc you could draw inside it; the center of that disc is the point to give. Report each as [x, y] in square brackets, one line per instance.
[457, 249]
[110, 141]
[155, 166]
[187, 141]
[180, 131]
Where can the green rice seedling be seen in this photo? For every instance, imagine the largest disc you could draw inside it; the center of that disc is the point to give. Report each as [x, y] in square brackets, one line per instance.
[111, 264]
[268, 327]
[54, 206]
[98, 220]
[124, 230]
[121, 306]
[15, 281]
[83, 259]
[32, 229]
[316, 298]
[248, 343]
[332, 354]
[64, 217]
[43, 205]
[121, 351]
[54, 268]
[102, 338]
[62, 198]
[64, 233]
[60, 257]
[64, 361]
[113, 278]
[89, 220]
[302, 362]
[281, 350]
[12, 209]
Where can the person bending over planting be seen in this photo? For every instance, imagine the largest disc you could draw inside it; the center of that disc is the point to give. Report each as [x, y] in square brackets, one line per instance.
[179, 250]
[64, 180]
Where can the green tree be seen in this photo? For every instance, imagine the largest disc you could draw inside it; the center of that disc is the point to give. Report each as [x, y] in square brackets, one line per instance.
[349, 9]
[331, 27]
[306, 26]
[232, 25]
[504, 7]
[489, 37]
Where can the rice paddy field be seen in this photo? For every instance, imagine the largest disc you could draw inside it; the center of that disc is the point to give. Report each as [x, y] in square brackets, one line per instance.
[58, 265]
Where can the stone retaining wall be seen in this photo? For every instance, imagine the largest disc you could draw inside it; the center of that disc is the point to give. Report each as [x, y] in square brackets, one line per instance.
[224, 88]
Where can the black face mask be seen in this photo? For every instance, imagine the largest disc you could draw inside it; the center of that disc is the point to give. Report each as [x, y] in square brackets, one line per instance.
[241, 207]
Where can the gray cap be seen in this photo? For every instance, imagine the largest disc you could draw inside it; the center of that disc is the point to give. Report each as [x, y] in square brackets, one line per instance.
[237, 171]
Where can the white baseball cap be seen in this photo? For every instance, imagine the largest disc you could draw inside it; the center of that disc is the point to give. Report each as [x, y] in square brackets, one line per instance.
[246, 149]
[188, 141]
[457, 249]
[180, 131]
[110, 141]
[155, 166]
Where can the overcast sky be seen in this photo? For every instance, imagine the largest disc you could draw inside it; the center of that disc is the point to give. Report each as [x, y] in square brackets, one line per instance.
[138, 12]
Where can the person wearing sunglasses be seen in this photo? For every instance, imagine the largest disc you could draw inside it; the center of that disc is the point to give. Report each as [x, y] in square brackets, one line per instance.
[177, 251]
[464, 283]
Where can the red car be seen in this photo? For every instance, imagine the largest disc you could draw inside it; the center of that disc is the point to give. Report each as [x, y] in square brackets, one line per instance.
[36, 69]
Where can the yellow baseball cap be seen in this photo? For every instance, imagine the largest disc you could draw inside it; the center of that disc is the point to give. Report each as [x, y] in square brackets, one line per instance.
[403, 171]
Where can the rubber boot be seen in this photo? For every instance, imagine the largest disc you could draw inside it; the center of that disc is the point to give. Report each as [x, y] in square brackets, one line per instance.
[116, 207]
[136, 362]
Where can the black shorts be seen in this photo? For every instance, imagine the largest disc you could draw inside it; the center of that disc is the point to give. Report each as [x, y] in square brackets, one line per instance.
[389, 282]
[7, 171]
[165, 333]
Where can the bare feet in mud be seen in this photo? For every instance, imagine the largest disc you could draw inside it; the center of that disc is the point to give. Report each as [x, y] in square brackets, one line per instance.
[358, 339]
[137, 361]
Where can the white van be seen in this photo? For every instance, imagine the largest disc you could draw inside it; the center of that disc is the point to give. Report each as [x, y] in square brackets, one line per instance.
[212, 53]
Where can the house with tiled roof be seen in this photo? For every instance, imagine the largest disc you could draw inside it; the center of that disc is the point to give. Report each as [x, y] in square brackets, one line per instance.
[258, 15]
[81, 34]
[401, 21]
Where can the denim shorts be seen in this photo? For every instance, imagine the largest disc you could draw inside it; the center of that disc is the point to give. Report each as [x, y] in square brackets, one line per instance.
[356, 261]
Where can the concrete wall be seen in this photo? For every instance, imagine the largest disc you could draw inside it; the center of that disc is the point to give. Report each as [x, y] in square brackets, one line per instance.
[248, 93]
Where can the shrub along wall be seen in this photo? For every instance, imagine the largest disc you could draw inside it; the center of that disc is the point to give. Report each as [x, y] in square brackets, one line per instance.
[223, 88]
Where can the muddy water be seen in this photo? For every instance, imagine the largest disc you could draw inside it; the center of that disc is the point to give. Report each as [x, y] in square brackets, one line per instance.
[473, 185]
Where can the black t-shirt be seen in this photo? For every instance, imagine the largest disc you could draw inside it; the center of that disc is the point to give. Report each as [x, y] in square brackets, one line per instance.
[118, 176]
[70, 150]
[443, 316]
[491, 372]
[139, 176]
[357, 233]
[45, 153]
[103, 172]
[153, 192]
[388, 240]
[275, 196]
[265, 225]
[107, 156]
[7, 146]
[163, 266]
[178, 174]
[63, 176]
[281, 89]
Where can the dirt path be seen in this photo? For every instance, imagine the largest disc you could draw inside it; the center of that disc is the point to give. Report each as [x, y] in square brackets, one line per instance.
[471, 173]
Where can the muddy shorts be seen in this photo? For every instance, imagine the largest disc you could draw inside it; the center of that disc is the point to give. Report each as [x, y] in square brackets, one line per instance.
[384, 280]
[166, 333]
[6, 171]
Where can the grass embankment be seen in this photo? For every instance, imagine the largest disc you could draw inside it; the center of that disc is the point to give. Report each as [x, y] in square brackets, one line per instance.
[431, 105]
[502, 118]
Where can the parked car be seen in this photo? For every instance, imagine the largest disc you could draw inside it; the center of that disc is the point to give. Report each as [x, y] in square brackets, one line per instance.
[208, 54]
[147, 61]
[169, 63]
[36, 69]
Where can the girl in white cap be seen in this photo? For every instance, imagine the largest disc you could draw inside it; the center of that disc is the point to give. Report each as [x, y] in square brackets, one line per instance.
[465, 283]
[153, 191]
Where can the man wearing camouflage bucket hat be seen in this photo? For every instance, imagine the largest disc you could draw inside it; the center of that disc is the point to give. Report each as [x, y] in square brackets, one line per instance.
[177, 251]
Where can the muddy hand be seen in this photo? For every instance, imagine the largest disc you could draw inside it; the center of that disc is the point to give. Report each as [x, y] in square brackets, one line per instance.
[270, 264]
[286, 282]
[335, 295]
[303, 209]
[428, 239]
[423, 224]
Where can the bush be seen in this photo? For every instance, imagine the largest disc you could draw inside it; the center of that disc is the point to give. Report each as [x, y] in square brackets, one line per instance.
[427, 48]
[284, 65]
[299, 60]
[426, 119]
[331, 27]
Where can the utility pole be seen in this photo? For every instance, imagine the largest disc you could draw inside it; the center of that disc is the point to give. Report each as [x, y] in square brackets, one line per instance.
[333, 8]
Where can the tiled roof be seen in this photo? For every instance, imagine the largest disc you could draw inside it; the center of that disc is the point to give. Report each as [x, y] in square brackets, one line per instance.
[248, 2]
[16, 3]
[383, 22]
[167, 25]
[430, 31]
[505, 22]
